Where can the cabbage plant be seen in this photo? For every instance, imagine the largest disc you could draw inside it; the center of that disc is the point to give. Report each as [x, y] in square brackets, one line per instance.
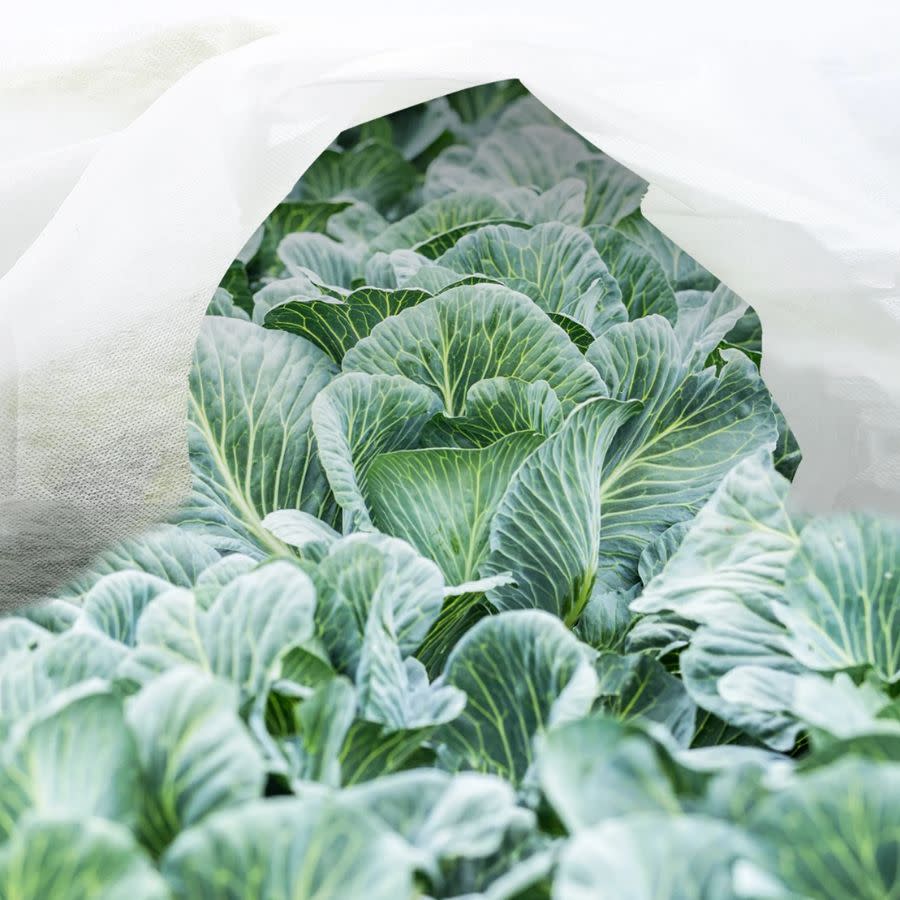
[488, 585]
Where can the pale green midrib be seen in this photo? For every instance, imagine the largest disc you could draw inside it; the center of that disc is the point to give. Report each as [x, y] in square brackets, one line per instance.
[250, 517]
[639, 455]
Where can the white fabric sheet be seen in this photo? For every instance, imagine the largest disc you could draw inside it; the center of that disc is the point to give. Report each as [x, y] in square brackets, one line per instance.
[138, 154]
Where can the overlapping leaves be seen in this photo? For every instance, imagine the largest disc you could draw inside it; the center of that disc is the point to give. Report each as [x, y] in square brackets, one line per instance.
[488, 586]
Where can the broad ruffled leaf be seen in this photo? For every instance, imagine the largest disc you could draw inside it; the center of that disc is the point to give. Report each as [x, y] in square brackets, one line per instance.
[58, 857]
[20, 634]
[372, 750]
[356, 226]
[436, 279]
[251, 445]
[287, 218]
[842, 596]
[222, 304]
[251, 624]
[320, 258]
[606, 618]
[449, 173]
[497, 407]
[638, 687]
[195, 754]
[656, 555]
[547, 527]
[395, 269]
[657, 634]
[115, 603]
[165, 551]
[450, 342]
[833, 834]
[373, 172]
[394, 691]
[734, 553]
[76, 757]
[740, 642]
[423, 130]
[301, 530]
[683, 271]
[213, 578]
[437, 226]
[314, 847]
[641, 279]
[728, 575]
[537, 156]
[564, 202]
[694, 427]
[844, 709]
[297, 287]
[31, 676]
[652, 856]
[442, 500]
[704, 319]
[830, 711]
[54, 615]
[445, 817]
[355, 574]
[336, 327]
[522, 672]
[597, 768]
[554, 264]
[613, 192]
[358, 417]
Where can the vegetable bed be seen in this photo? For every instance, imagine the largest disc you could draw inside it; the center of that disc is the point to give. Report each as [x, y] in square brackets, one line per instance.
[487, 587]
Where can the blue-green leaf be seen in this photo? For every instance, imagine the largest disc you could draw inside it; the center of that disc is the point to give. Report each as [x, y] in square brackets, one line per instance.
[554, 264]
[77, 756]
[358, 417]
[195, 754]
[250, 437]
[335, 327]
[547, 527]
[54, 856]
[641, 279]
[282, 847]
[443, 500]
[467, 334]
[522, 672]
[694, 426]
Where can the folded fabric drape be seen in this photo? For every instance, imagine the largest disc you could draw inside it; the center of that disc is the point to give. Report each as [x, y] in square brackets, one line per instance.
[134, 165]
